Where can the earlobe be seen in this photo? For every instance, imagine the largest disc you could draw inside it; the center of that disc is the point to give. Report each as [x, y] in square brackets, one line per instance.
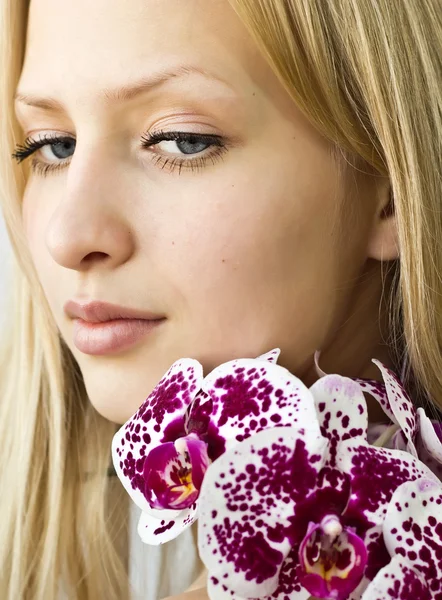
[383, 242]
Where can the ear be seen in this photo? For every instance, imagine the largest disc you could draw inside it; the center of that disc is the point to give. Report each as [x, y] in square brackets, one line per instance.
[383, 240]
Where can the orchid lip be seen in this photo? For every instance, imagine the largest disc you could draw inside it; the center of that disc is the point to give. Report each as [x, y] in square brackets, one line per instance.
[173, 472]
[332, 559]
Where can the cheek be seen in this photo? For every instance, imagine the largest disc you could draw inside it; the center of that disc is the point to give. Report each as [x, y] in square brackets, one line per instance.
[264, 262]
[36, 210]
[29, 216]
[36, 215]
[262, 266]
[258, 236]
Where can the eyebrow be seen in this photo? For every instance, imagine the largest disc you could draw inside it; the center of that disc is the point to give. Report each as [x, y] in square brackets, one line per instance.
[125, 92]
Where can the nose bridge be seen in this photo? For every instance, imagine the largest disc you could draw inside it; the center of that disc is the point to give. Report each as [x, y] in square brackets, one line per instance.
[90, 217]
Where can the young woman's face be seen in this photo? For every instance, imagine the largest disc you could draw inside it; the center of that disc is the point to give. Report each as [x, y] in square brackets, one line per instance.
[236, 233]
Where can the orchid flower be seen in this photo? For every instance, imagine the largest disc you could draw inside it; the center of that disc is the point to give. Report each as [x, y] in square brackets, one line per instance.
[413, 535]
[297, 511]
[161, 454]
[416, 432]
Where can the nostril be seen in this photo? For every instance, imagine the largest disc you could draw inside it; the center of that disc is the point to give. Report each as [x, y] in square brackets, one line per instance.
[92, 256]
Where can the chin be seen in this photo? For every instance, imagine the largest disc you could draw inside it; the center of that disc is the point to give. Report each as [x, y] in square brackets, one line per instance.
[113, 407]
[117, 397]
[112, 413]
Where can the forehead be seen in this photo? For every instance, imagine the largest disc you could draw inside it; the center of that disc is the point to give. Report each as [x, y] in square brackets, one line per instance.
[77, 47]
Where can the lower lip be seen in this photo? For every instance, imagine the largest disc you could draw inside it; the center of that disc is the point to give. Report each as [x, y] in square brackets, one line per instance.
[111, 336]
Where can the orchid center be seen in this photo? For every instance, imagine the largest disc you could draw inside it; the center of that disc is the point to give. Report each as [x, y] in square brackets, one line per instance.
[174, 471]
[332, 559]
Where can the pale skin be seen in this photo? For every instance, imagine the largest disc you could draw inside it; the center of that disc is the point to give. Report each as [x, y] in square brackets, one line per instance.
[254, 249]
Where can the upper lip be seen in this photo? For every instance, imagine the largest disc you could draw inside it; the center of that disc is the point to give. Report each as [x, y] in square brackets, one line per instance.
[100, 312]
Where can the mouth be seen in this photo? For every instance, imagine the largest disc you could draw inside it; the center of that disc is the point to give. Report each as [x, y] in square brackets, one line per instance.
[113, 336]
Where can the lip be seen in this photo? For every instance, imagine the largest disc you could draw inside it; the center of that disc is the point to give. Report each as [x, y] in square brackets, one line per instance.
[103, 328]
[113, 336]
[100, 312]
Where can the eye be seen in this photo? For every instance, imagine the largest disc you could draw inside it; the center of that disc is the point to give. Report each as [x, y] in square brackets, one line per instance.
[50, 146]
[62, 148]
[188, 144]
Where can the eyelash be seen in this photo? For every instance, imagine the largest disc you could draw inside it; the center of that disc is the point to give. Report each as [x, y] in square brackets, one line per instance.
[30, 146]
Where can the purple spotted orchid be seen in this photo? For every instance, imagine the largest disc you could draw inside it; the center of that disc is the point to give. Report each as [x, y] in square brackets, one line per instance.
[413, 430]
[412, 532]
[300, 510]
[161, 454]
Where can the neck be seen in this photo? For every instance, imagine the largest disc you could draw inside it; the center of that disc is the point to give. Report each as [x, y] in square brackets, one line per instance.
[361, 336]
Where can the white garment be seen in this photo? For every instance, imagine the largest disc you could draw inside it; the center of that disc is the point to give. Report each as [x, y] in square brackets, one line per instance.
[157, 572]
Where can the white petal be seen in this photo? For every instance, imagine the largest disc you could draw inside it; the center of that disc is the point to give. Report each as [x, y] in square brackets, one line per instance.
[154, 531]
[375, 474]
[400, 404]
[145, 429]
[250, 395]
[341, 408]
[217, 591]
[319, 371]
[271, 356]
[379, 393]
[397, 581]
[247, 499]
[429, 436]
[413, 529]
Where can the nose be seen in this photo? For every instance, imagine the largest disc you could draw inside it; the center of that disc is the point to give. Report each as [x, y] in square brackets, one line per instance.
[90, 224]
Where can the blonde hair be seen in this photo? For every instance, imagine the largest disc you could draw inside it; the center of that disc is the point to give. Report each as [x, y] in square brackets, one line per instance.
[368, 75]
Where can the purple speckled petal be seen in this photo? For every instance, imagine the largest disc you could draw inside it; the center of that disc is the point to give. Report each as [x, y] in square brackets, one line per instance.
[413, 529]
[156, 531]
[289, 586]
[332, 559]
[271, 356]
[379, 393]
[397, 581]
[249, 395]
[400, 404]
[247, 503]
[160, 418]
[375, 474]
[342, 410]
[217, 590]
[429, 435]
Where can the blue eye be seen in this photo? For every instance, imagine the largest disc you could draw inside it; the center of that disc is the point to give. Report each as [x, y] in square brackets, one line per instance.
[30, 146]
[63, 147]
